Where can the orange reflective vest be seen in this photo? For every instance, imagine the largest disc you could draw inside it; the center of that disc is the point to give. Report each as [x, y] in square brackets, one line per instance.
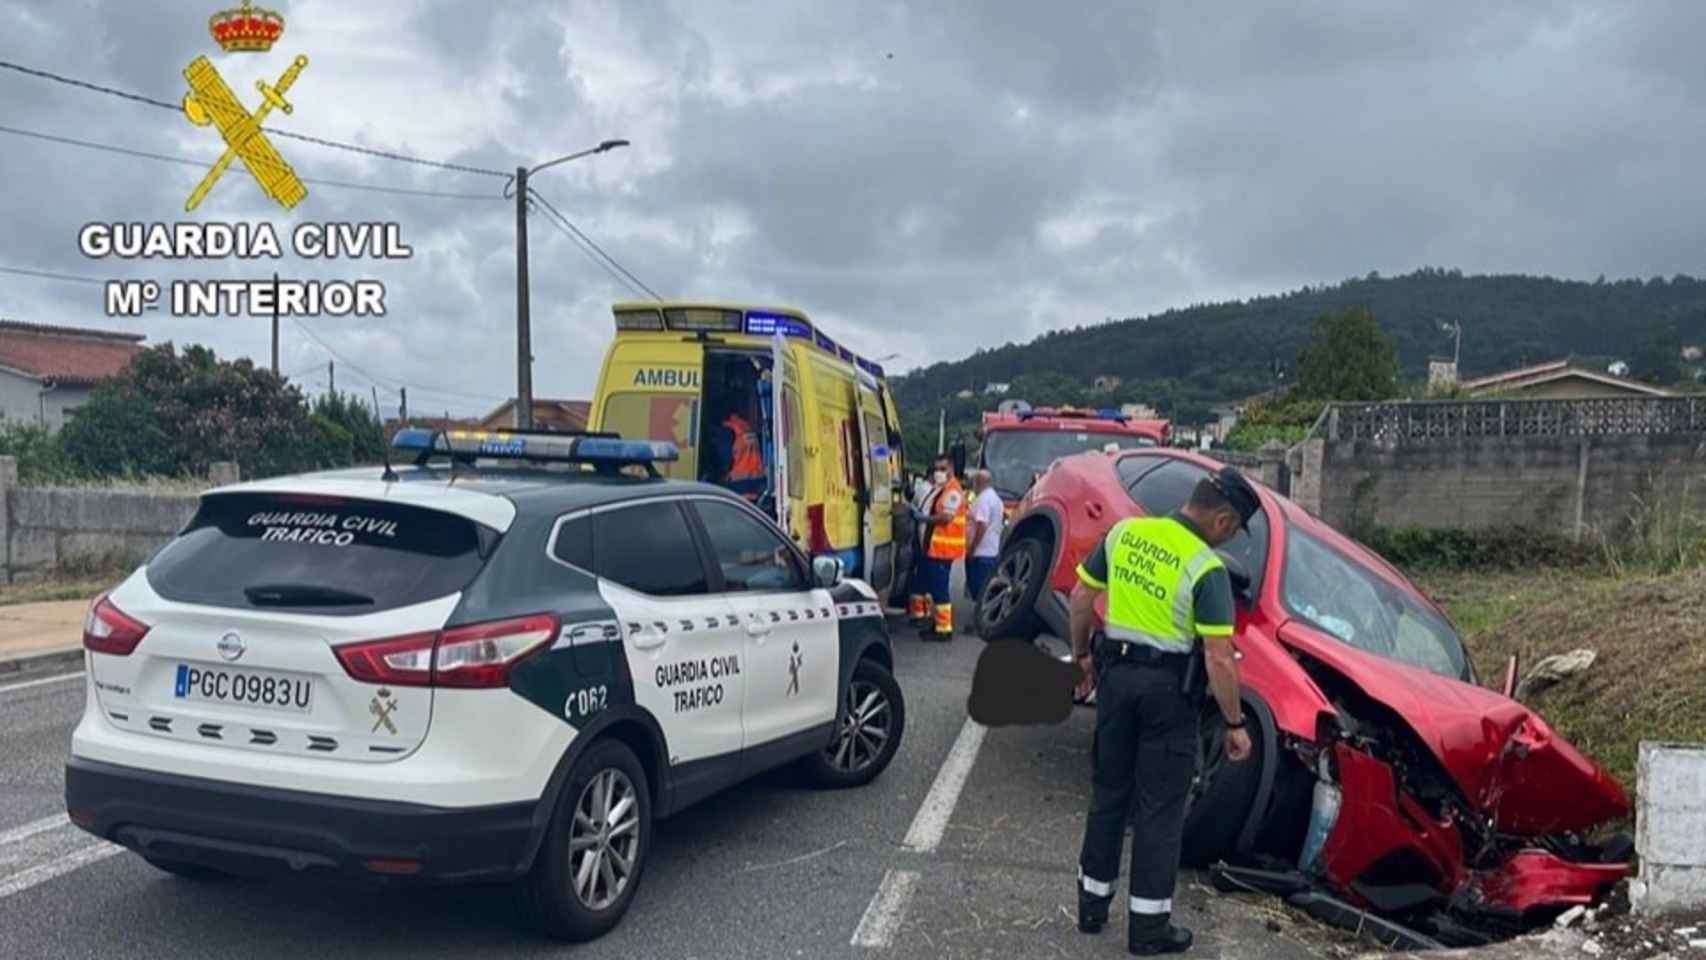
[746, 459]
[948, 540]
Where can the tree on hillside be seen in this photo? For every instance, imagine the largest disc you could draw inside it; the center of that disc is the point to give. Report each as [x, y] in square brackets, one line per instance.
[1657, 357]
[175, 413]
[1348, 359]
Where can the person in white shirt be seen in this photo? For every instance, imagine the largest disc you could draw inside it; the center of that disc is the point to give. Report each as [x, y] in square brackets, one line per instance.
[983, 534]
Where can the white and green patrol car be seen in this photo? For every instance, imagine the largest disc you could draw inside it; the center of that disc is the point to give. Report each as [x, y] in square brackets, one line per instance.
[505, 660]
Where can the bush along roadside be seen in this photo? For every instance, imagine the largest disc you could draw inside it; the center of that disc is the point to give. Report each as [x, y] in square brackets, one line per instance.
[1489, 548]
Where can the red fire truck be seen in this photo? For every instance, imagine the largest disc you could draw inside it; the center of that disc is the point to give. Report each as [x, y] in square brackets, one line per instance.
[1019, 445]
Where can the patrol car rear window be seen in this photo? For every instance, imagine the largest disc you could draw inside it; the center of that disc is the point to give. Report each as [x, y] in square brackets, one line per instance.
[323, 555]
[646, 547]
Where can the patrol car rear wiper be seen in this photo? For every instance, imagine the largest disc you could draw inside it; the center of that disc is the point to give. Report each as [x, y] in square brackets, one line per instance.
[303, 595]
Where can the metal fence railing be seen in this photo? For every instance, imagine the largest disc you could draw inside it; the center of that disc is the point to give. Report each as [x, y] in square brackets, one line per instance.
[1446, 419]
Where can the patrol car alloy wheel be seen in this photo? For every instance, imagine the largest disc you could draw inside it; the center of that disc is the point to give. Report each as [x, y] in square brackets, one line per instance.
[604, 838]
[589, 865]
[867, 732]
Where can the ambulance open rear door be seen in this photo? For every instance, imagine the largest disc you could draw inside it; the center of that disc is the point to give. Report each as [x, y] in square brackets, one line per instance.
[875, 497]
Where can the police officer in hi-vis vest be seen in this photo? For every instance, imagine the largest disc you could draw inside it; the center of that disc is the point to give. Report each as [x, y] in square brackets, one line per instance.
[944, 512]
[1166, 588]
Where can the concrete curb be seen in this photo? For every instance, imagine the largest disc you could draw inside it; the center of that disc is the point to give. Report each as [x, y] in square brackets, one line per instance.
[49, 662]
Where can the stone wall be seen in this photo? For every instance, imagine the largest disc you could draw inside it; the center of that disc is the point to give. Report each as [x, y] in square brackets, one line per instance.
[43, 528]
[1569, 466]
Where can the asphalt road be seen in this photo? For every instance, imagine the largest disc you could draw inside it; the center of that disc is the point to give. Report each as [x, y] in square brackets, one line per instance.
[908, 867]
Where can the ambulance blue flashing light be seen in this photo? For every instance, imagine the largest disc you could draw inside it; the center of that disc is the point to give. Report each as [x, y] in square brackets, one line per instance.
[765, 324]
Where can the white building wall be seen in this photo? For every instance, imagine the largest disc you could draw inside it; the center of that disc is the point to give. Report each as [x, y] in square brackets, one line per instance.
[22, 400]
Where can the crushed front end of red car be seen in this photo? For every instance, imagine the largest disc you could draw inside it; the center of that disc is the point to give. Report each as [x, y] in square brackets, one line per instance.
[1451, 808]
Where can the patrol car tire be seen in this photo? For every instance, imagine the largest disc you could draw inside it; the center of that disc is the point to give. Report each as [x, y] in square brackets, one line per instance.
[828, 768]
[1216, 813]
[552, 900]
[1008, 609]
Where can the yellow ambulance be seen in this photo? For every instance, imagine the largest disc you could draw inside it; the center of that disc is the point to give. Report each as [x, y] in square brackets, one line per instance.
[827, 425]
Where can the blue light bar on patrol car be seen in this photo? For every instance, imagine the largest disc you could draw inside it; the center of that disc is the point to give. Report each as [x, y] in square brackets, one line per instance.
[540, 446]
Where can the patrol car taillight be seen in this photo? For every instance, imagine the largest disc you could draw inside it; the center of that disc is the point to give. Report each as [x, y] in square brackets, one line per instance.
[400, 661]
[107, 629]
[472, 656]
[481, 655]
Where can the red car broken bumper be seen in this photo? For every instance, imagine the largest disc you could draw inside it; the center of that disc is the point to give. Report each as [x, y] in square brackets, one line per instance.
[1384, 838]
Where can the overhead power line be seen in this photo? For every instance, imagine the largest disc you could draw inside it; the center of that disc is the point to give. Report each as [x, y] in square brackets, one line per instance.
[382, 380]
[200, 164]
[592, 249]
[48, 275]
[97, 88]
[319, 141]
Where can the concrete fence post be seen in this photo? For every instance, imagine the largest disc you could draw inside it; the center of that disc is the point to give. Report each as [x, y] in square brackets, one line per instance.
[8, 483]
[1270, 465]
[1670, 827]
[222, 472]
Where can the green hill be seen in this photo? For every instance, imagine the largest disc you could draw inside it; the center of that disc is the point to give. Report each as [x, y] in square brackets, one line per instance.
[1184, 361]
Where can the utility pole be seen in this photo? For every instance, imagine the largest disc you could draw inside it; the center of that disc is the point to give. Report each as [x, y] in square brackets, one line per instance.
[331, 377]
[403, 405]
[523, 320]
[523, 323]
[275, 324]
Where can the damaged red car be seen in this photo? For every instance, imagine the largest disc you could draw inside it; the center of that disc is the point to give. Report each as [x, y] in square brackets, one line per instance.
[1383, 773]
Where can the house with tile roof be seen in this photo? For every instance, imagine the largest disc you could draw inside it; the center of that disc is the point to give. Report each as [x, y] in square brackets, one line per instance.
[565, 415]
[1557, 380]
[47, 370]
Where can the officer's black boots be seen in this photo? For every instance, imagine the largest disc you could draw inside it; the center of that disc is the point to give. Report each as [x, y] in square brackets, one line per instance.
[1151, 935]
[1092, 912]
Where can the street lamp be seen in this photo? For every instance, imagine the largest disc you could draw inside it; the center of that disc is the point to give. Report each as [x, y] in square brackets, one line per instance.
[523, 322]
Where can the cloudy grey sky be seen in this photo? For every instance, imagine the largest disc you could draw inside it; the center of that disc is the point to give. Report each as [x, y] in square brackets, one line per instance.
[923, 177]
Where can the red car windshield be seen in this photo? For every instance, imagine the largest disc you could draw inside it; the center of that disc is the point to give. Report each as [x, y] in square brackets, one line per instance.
[1353, 604]
[1015, 457]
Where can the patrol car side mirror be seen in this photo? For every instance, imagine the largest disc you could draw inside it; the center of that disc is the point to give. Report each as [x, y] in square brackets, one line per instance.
[827, 571]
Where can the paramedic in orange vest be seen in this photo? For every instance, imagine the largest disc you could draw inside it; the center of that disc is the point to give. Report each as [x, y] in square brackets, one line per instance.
[736, 452]
[945, 512]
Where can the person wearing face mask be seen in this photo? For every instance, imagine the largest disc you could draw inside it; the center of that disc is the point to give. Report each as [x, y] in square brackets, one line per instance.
[944, 512]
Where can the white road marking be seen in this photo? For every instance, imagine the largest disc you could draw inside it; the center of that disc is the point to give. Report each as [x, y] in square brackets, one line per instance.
[938, 806]
[886, 910]
[31, 829]
[36, 683]
[42, 873]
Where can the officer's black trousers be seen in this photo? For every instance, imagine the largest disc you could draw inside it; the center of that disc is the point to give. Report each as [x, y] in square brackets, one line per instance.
[1144, 751]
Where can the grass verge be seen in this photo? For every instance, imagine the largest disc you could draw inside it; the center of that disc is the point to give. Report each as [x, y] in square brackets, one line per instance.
[1649, 632]
[80, 580]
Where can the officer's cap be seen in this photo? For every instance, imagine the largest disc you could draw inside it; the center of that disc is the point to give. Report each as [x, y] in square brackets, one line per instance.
[1238, 492]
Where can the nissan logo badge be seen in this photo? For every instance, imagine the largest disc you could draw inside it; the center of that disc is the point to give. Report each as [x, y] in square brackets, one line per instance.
[231, 646]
